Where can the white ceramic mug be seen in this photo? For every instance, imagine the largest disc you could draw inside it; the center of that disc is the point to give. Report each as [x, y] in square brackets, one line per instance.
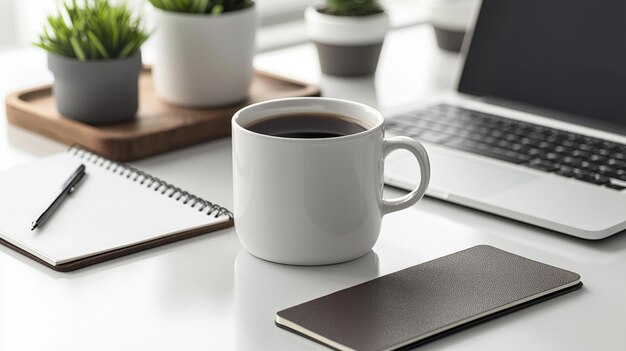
[314, 201]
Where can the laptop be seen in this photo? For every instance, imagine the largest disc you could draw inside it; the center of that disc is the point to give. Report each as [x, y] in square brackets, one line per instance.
[536, 129]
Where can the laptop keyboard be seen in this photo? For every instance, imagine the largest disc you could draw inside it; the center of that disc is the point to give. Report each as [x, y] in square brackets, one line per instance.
[571, 155]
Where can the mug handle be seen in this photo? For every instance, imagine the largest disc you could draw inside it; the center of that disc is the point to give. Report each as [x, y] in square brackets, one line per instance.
[417, 149]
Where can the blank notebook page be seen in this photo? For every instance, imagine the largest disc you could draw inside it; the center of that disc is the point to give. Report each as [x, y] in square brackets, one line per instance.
[106, 212]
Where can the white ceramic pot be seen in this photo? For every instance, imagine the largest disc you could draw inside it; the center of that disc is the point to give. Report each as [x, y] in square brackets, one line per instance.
[347, 45]
[452, 15]
[450, 19]
[203, 60]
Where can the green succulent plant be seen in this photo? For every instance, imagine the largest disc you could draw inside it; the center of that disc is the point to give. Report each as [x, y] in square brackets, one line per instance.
[213, 7]
[92, 30]
[351, 7]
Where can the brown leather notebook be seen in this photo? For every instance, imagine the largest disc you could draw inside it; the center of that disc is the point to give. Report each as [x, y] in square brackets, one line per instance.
[424, 302]
[116, 210]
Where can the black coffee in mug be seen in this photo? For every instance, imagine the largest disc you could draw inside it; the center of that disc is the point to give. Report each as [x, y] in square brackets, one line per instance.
[306, 126]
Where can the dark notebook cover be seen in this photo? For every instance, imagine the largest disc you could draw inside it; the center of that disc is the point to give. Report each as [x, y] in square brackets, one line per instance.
[426, 301]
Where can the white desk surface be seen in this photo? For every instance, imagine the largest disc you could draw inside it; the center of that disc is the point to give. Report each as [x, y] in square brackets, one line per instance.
[208, 293]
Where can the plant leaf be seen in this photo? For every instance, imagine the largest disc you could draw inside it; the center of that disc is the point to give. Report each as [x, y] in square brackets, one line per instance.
[92, 29]
[98, 45]
[78, 50]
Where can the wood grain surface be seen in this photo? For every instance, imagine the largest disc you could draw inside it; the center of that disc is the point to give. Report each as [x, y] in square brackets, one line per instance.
[158, 127]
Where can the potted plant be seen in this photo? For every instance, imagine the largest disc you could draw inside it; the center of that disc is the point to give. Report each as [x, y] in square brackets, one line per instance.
[94, 54]
[203, 51]
[449, 19]
[348, 34]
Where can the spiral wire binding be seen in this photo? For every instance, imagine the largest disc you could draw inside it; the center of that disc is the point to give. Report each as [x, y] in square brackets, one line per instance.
[151, 182]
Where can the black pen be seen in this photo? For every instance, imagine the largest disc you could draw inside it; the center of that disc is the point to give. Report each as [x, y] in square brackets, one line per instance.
[68, 187]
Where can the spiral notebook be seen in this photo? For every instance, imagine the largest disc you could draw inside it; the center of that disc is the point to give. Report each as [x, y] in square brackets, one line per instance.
[116, 210]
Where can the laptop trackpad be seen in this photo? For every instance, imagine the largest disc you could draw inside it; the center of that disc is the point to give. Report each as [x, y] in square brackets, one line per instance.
[455, 175]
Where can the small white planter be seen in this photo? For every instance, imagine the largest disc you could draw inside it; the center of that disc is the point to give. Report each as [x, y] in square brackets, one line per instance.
[203, 60]
[450, 19]
[347, 45]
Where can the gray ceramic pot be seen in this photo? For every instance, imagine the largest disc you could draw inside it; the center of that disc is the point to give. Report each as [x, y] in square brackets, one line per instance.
[347, 46]
[450, 19]
[96, 92]
[451, 40]
[348, 61]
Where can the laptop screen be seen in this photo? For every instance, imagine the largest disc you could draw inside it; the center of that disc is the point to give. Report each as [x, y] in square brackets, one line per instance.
[565, 57]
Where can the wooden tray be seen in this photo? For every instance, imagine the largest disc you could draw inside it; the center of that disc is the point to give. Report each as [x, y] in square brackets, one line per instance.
[159, 127]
